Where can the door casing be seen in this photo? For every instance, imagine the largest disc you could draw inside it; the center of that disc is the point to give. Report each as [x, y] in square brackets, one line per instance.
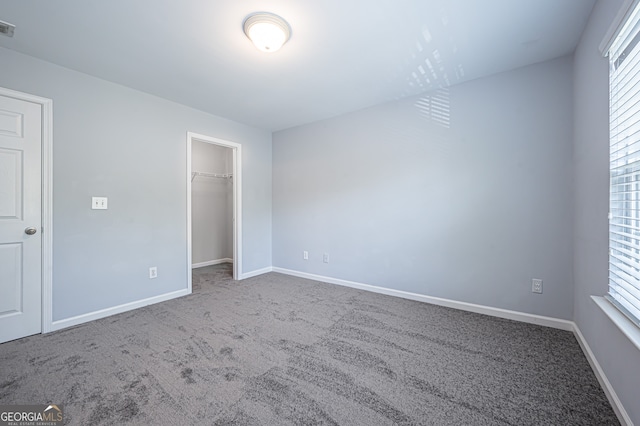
[237, 201]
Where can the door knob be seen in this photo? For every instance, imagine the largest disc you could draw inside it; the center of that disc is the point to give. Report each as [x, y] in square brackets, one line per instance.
[30, 230]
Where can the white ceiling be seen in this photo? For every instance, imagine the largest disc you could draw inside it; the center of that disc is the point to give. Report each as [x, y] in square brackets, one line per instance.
[343, 55]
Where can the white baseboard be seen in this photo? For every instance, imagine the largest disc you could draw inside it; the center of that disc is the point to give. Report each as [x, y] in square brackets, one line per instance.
[256, 272]
[471, 307]
[211, 262]
[91, 316]
[618, 408]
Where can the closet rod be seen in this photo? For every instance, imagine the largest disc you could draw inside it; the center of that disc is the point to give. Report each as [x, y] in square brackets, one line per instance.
[212, 175]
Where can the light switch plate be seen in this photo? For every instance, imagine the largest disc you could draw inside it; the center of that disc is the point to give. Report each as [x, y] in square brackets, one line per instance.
[99, 203]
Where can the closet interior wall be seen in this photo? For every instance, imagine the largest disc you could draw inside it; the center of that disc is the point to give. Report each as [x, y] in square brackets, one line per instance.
[211, 205]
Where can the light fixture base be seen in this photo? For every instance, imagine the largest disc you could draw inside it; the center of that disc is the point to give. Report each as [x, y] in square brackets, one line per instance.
[7, 29]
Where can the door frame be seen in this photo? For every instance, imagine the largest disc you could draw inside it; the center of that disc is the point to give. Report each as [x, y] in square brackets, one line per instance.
[237, 200]
[46, 227]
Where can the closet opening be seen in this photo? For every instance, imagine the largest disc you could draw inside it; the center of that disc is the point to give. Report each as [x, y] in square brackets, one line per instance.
[213, 203]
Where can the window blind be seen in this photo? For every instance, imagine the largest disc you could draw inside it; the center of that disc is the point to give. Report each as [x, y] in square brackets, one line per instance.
[624, 156]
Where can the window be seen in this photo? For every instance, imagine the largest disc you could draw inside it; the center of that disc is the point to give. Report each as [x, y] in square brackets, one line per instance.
[624, 169]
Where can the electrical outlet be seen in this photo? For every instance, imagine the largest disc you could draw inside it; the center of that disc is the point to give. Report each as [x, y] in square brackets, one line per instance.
[305, 255]
[99, 203]
[153, 272]
[536, 285]
[325, 258]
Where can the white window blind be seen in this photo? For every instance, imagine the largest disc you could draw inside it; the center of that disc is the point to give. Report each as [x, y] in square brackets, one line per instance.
[624, 195]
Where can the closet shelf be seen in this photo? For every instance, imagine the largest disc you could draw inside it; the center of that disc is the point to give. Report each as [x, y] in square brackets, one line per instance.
[211, 175]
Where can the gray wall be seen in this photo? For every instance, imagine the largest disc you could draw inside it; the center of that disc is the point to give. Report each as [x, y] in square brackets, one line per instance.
[113, 141]
[619, 359]
[211, 203]
[462, 194]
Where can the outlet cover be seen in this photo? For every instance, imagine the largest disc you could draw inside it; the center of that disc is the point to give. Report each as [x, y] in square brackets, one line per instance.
[325, 258]
[536, 286]
[305, 255]
[153, 272]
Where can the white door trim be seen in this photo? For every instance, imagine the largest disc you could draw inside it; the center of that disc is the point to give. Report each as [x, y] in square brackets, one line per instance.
[47, 201]
[237, 201]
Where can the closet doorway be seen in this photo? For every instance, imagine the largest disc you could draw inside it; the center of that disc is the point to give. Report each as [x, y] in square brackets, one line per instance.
[214, 209]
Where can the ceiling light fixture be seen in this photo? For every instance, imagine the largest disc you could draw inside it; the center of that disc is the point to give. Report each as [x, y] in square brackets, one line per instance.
[267, 31]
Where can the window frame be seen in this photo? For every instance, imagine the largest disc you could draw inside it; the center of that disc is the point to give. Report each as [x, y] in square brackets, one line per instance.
[623, 51]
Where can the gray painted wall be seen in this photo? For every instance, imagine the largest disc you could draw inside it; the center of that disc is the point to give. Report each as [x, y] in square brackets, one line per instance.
[619, 359]
[113, 141]
[462, 194]
[211, 203]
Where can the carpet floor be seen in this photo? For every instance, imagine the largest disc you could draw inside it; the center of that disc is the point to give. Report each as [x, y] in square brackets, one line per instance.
[279, 350]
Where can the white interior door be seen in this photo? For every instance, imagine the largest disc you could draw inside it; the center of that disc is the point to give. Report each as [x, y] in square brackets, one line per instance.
[20, 218]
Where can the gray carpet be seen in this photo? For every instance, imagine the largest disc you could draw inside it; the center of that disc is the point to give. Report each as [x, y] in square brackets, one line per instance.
[279, 350]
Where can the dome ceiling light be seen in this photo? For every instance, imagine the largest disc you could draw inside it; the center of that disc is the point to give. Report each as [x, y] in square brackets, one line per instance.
[267, 31]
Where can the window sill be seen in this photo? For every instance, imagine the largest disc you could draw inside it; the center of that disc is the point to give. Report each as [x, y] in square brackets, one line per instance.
[625, 325]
